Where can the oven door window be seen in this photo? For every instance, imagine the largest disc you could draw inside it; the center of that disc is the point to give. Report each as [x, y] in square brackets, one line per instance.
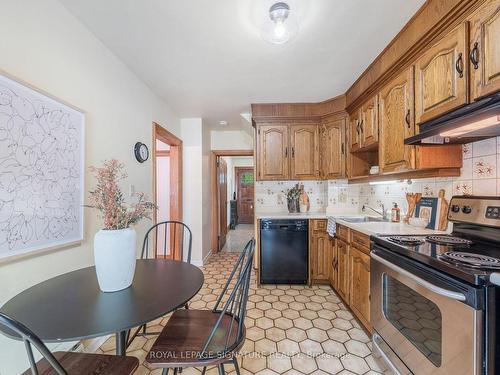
[416, 317]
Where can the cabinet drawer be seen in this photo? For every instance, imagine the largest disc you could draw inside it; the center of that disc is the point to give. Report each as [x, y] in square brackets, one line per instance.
[361, 241]
[319, 225]
[343, 233]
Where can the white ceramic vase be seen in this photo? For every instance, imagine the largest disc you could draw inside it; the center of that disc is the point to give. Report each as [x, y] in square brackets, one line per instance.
[115, 257]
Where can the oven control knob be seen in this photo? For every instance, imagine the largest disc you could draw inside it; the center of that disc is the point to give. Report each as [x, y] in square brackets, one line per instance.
[466, 209]
[455, 208]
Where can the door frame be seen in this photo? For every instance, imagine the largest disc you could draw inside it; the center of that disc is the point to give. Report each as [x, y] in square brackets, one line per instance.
[214, 193]
[236, 172]
[175, 179]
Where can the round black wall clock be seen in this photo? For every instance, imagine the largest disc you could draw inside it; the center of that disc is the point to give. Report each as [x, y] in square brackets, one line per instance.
[141, 152]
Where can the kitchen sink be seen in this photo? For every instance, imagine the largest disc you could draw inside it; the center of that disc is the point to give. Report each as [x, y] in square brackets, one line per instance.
[362, 219]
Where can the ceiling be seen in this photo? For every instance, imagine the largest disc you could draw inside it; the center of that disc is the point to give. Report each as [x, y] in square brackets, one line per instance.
[206, 58]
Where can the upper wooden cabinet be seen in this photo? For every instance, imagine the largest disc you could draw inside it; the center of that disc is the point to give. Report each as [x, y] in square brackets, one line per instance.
[441, 76]
[332, 149]
[484, 54]
[272, 152]
[396, 122]
[304, 154]
[355, 131]
[369, 123]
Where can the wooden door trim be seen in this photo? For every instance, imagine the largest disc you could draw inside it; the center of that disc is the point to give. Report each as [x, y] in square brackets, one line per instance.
[175, 154]
[213, 189]
[237, 170]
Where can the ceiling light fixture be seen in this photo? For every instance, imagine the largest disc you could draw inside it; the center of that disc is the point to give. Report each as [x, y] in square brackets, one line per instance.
[281, 25]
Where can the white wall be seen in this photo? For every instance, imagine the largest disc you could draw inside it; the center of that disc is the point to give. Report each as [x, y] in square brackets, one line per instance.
[47, 47]
[192, 183]
[231, 140]
[206, 192]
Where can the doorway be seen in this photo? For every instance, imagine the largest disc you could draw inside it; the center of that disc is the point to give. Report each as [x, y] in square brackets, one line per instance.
[232, 199]
[167, 185]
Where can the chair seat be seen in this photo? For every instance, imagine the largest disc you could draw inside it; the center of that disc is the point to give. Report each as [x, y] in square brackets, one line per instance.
[181, 342]
[87, 363]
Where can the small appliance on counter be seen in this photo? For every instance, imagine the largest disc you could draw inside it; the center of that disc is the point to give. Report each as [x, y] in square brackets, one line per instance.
[435, 300]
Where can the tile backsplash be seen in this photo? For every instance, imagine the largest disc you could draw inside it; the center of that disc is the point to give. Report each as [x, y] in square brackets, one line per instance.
[480, 175]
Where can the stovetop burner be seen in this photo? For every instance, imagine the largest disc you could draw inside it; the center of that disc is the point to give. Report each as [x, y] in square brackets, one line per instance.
[407, 240]
[471, 260]
[449, 240]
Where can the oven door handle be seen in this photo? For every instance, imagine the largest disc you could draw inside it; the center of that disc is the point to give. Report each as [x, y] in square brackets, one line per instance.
[433, 288]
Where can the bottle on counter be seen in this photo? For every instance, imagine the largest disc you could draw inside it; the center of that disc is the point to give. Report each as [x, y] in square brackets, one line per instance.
[305, 204]
[395, 213]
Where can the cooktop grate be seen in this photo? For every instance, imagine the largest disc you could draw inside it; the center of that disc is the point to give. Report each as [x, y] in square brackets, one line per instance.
[449, 240]
[472, 260]
[407, 240]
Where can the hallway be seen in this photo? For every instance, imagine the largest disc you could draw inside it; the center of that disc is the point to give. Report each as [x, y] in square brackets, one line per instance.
[237, 239]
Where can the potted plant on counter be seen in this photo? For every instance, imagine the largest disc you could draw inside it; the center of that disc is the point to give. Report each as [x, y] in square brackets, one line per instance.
[115, 243]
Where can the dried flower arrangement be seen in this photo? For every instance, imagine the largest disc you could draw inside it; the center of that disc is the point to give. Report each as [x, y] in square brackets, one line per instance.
[108, 198]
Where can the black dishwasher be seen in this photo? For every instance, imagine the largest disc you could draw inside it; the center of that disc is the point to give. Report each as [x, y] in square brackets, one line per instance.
[283, 251]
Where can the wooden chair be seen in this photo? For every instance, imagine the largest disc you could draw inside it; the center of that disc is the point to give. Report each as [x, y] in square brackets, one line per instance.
[64, 363]
[201, 338]
[168, 239]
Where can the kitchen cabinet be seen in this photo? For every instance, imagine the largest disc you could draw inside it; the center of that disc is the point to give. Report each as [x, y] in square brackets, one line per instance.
[355, 131]
[304, 155]
[332, 149]
[287, 152]
[272, 160]
[359, 293]
[343, 270]
[321, 252]
[396, 122]
[441, 75]
[333, 265]
[484, 47]
[369, 124]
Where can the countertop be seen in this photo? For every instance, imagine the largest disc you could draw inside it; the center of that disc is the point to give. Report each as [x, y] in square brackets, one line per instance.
[368, 228]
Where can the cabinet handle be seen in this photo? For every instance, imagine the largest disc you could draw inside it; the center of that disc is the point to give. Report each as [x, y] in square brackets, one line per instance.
[357, 127]
[361, 126]
[459, 65]
[286, 152]
[407, 119]
[474, 56]
[293, 152]
[342, 150]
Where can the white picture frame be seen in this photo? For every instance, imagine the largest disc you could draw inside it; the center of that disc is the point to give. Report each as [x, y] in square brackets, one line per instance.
[42, 171]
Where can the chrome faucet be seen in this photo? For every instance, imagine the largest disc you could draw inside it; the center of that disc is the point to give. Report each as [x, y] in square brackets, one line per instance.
[382, 213]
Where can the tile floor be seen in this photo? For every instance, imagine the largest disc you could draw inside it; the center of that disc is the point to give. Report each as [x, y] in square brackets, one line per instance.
[237, 238]
[291, 330]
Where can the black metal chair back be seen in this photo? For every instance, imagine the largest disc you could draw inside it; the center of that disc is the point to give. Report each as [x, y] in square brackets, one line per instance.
[168, 238]
[12, 328]
[234, 307]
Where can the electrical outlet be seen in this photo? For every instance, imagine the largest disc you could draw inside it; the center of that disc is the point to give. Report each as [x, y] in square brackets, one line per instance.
[131, 190]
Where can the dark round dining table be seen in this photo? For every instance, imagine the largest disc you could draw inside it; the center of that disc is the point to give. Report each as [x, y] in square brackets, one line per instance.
[71, 306]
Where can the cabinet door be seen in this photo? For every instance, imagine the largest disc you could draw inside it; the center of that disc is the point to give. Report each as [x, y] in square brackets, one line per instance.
[334, 153]
[333, 264]
[441, 76]
[273, 152]
[321, 256]
[485, 50]
[304, 152]
[355, 132]
[396, 122]
[359, 299]
[343, 270]
[369, 123]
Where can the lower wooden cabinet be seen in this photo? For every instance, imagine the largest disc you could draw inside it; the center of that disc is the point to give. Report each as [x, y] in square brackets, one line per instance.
[359, 292]
[320, 252]
[343, 270]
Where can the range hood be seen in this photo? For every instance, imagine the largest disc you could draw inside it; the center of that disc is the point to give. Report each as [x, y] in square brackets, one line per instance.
[472, 122]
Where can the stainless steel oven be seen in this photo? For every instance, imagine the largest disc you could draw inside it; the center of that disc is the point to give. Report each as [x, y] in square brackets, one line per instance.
[425, 323]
